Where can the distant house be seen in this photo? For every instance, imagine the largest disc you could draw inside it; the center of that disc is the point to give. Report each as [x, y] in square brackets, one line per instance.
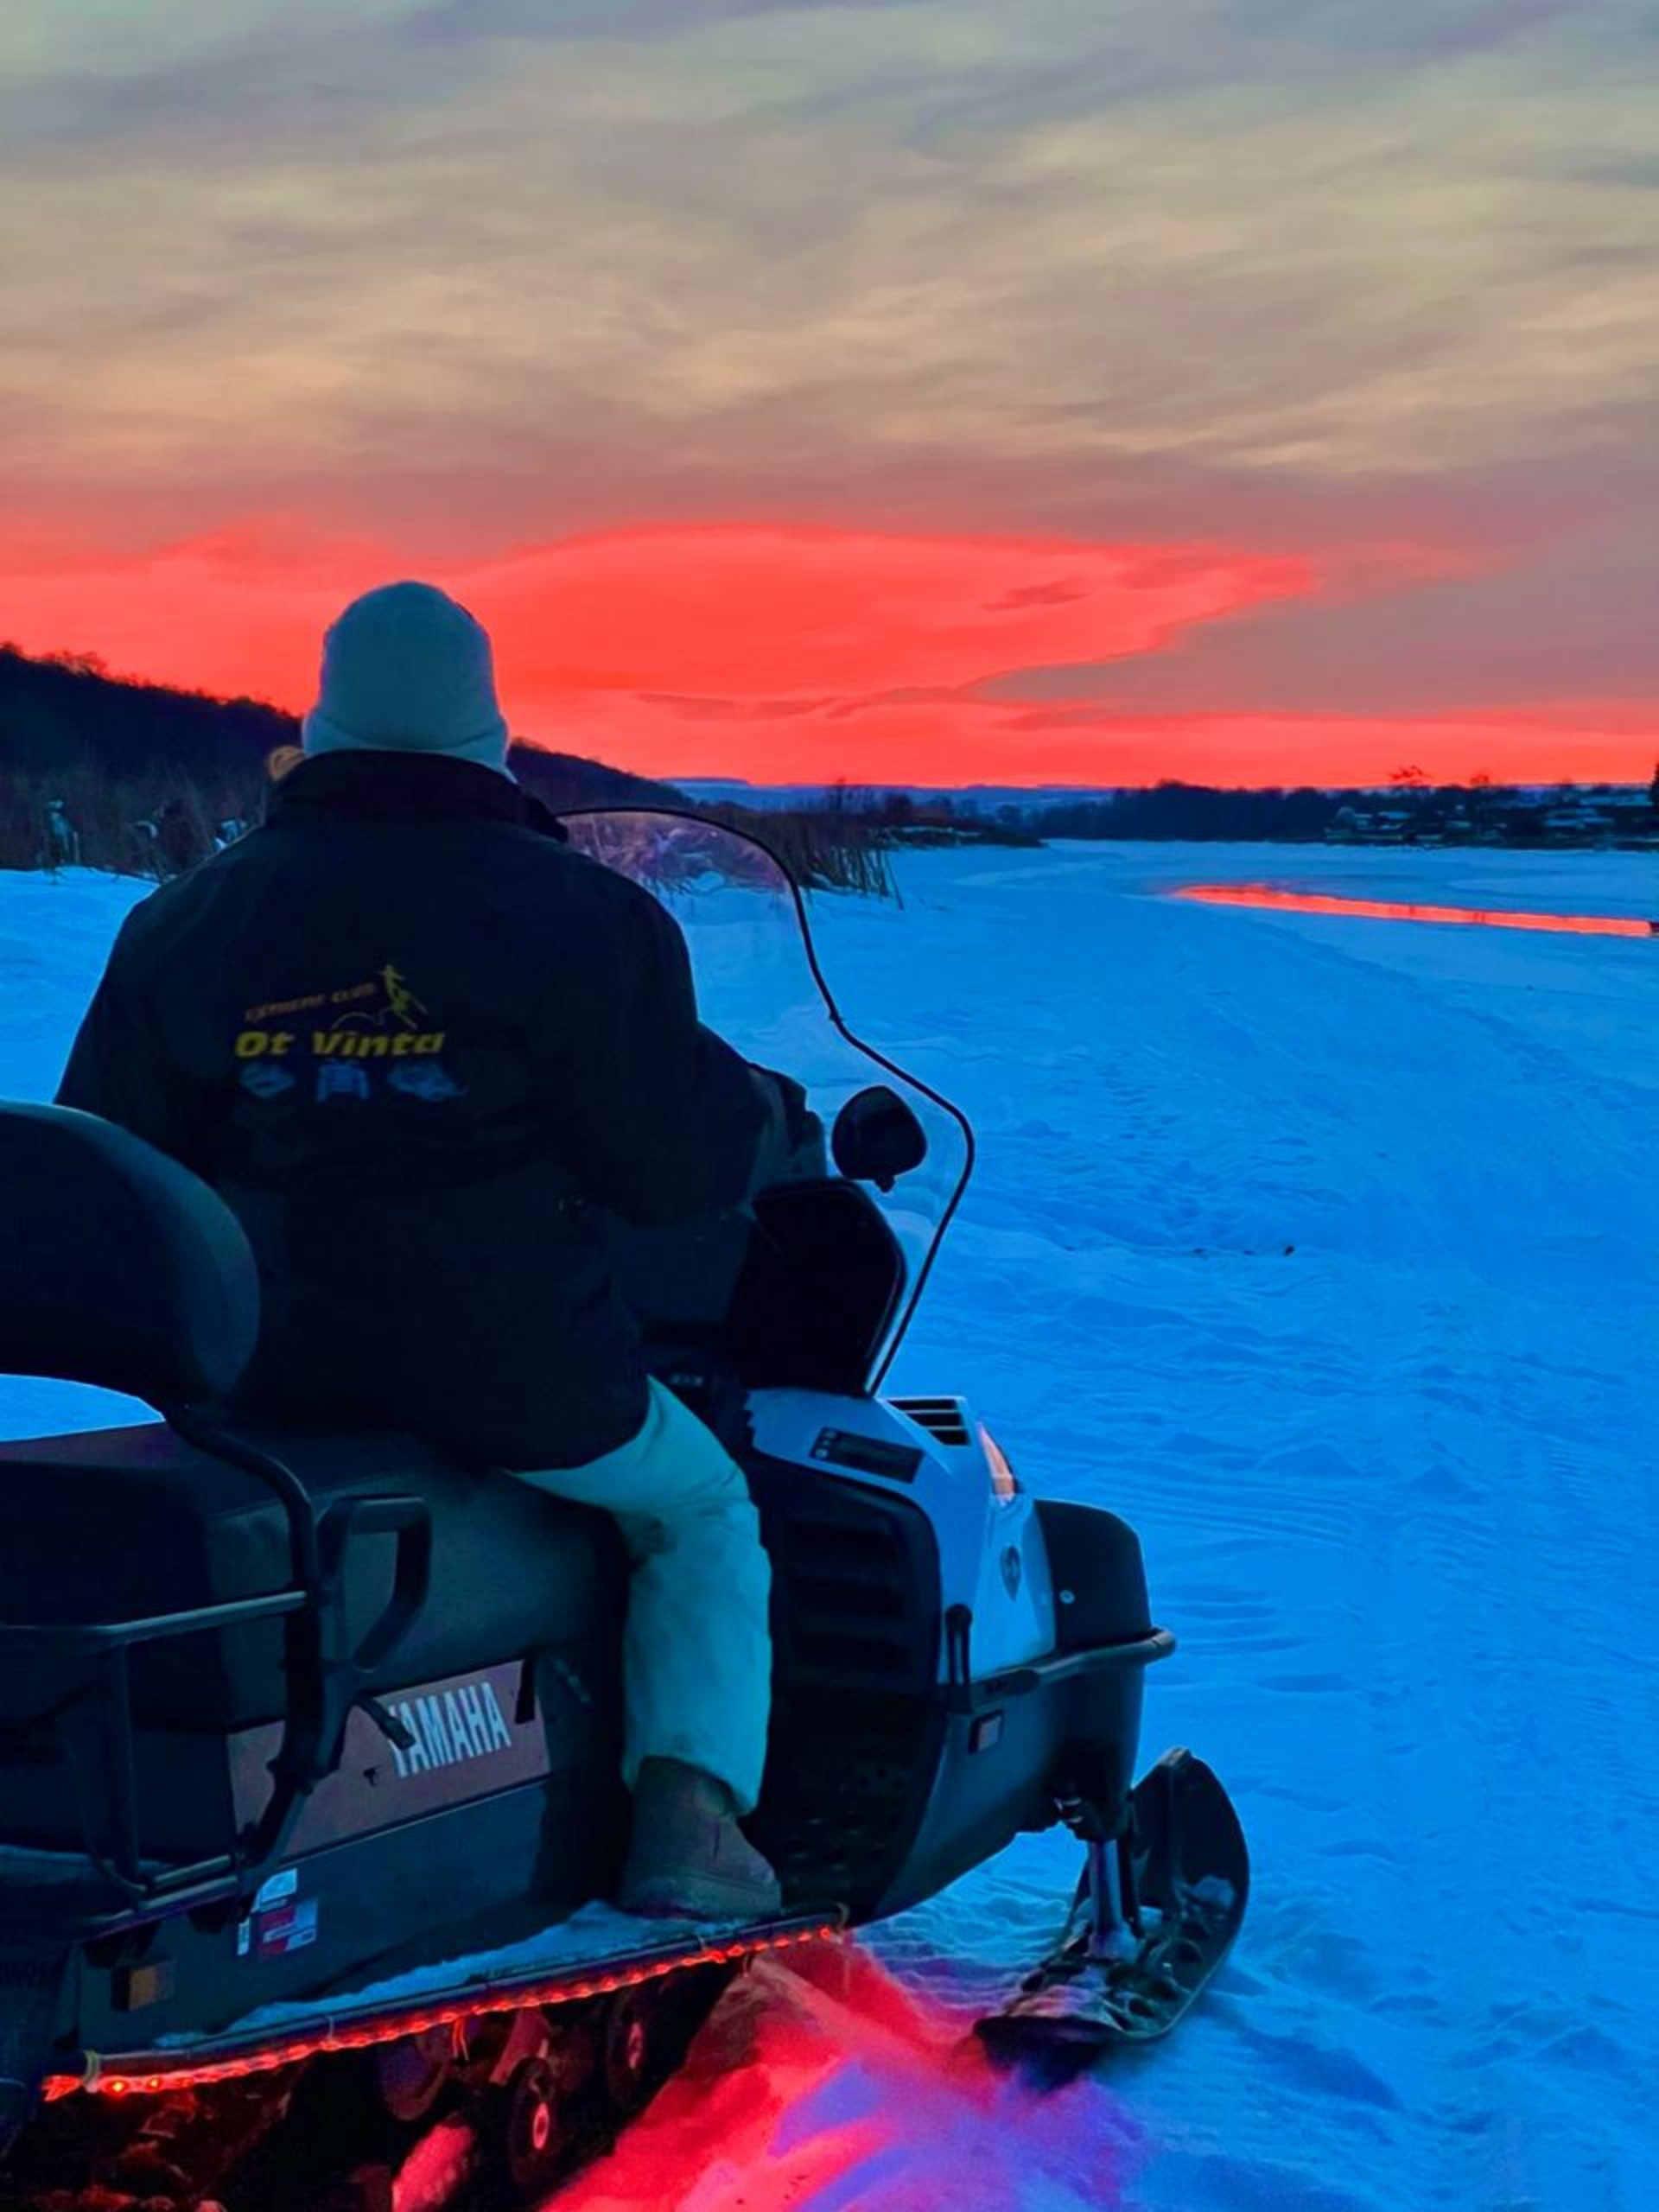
[1579, 819]
[1623, 815]
[1381, 825]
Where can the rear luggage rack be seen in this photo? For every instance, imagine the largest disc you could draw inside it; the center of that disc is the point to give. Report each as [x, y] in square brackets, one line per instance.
[326, 1677]
[945, 1420]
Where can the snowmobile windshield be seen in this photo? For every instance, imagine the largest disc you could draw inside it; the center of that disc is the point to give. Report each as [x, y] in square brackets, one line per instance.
[759, 985]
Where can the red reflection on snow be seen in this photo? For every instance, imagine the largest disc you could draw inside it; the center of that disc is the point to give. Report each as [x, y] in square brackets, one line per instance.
[826, 2087]
[1389, 909]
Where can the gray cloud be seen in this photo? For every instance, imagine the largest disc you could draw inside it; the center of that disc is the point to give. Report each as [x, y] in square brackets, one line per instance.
[1430, 29]
[1568, 619]
[1301, 274]
[465, 20]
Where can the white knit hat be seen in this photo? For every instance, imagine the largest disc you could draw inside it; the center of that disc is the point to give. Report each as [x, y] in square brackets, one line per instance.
[407, 670]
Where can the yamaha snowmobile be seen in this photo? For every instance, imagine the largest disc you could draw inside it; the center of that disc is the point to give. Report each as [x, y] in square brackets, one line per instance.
[309, 1740]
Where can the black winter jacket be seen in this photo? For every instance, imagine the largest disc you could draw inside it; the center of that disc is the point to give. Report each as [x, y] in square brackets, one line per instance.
[422, 1048]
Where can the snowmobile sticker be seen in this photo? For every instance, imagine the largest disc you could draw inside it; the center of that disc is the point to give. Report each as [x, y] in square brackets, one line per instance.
[464, 1740]
[867, 1455]
[447, 1727]
[286, 1928]
[279, 1921]
[280, 1886]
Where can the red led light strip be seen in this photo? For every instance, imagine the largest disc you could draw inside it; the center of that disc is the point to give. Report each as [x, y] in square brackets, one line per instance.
[391, 2028]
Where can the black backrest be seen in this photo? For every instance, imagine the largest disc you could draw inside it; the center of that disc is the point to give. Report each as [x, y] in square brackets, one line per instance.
[118, 1267]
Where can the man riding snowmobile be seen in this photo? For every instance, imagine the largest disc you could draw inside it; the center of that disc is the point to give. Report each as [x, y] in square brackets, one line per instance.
[423, 1050]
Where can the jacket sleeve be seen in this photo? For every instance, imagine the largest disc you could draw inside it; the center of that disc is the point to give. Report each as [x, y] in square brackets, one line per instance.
[663, 1120]
[117, 1067]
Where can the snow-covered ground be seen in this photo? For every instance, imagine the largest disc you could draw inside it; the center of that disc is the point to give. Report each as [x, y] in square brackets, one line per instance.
[1325, 1250]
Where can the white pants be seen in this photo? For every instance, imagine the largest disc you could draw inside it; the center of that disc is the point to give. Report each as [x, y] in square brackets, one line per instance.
[698, 1651]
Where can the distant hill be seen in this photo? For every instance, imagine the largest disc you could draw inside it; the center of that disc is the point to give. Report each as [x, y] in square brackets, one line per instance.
[65, 716]
[570, 779]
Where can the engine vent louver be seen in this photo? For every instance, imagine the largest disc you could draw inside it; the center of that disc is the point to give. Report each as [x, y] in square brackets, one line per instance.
[857, 1718]
[848, 1604]
[945, 1420]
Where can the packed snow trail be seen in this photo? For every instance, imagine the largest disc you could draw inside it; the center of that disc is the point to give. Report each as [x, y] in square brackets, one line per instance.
[1323, 1250]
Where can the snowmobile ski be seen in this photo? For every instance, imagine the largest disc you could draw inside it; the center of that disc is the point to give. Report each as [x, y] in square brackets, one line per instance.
[1156, 1915]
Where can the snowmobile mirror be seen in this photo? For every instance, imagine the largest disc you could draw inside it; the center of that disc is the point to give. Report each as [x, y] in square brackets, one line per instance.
[877, 1138]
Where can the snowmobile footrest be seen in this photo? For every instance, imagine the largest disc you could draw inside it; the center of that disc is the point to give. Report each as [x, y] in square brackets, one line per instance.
[347, 2023]
[1138, 1950]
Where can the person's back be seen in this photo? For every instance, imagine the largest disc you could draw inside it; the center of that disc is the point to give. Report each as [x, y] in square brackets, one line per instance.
[423, 1049]
[419, 1044]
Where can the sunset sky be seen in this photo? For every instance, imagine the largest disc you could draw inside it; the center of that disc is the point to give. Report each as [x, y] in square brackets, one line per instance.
[932, 391]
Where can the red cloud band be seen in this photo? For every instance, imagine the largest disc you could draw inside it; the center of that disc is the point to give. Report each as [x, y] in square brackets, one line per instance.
[788, 653]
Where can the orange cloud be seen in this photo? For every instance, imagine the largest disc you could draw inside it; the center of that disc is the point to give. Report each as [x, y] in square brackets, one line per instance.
[754, 613]
[749, 621]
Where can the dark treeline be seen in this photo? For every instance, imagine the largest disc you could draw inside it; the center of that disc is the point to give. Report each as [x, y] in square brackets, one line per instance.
[901, 818]
[139, 778]
[67, 712]
[1194, 812]
[1410, 812]
[143, 779]
[565, 781]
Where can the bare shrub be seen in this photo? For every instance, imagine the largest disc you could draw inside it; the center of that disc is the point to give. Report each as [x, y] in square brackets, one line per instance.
[106, 813]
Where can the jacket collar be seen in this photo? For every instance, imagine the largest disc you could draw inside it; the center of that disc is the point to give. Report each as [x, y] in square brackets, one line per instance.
[403, 786]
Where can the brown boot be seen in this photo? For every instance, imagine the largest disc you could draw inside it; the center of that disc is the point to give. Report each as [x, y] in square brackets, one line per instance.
[689, 1859]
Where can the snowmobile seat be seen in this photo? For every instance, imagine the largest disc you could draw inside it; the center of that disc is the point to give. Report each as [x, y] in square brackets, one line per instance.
[119, 1266]
[128, 1523]
[121, 1269]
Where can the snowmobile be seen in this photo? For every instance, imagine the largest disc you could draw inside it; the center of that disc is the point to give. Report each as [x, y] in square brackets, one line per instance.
[309, 1740]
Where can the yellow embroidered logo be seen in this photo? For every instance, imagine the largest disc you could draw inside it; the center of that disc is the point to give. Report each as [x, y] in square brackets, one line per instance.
[349, 1044]
[401, 1002]
[379, 1020]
